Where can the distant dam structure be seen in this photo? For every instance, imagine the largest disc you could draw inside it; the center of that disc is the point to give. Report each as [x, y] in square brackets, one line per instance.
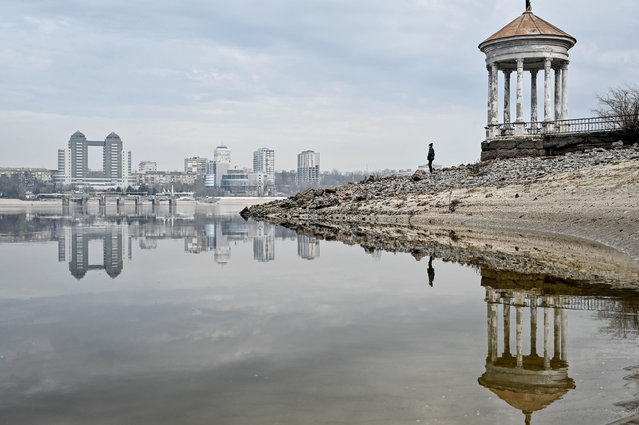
[119, 204]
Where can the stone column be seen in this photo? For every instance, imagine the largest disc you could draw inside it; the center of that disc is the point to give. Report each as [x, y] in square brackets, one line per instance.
[557, 93]
[491, 128]
[506, 326]
[494, 332]
[492, 307]
[533, 95]
[519, 122]
[490, 95]
[520, 335]
[520, 90]
[533, 325]
[557, 333]
[507, 96]
[547, 328]
[494, 94]
[547, 104]
[564, 91]
[564, 334]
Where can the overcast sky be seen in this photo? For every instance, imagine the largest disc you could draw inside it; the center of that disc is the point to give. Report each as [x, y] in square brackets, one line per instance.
[367, 83]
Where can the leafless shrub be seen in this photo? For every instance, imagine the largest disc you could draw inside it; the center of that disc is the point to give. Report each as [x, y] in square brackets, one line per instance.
[621, 104]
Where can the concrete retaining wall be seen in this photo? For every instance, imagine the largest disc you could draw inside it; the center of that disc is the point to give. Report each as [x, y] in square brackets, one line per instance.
[554, 144]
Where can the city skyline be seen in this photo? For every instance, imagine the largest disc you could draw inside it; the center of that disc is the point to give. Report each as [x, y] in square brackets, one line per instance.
[353, 81]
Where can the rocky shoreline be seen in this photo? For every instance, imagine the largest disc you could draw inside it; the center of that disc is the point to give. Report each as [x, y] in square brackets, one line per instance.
[574, 216]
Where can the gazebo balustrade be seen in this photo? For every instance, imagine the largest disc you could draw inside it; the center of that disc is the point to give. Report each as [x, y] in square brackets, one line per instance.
[567, 126]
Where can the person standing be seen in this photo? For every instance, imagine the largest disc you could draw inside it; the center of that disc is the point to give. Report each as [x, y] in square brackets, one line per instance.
[431, 271]
[431, 157]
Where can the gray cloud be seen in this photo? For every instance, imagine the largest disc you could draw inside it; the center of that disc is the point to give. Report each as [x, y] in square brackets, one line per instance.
[364, 83]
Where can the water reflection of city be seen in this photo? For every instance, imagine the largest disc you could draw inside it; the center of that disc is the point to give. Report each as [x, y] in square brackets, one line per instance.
[531, 382]
[76, 237]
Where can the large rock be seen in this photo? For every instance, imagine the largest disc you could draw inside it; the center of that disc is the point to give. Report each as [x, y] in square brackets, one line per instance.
[419, 175]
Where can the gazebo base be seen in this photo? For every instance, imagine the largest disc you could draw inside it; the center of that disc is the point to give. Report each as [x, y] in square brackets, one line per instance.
[554, 144]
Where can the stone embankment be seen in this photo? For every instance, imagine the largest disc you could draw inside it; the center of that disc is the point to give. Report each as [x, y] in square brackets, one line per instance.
[574, 216]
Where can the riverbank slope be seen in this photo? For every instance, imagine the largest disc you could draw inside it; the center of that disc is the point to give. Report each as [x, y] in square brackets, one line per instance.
[574, 216]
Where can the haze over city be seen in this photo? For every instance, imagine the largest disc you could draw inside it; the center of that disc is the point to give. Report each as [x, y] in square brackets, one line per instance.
[367, 84]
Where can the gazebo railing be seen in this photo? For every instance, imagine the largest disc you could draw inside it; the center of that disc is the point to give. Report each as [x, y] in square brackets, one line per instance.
[578, 125]
[627, 306]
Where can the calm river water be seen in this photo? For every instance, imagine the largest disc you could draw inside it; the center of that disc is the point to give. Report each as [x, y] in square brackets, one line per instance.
[214, 320]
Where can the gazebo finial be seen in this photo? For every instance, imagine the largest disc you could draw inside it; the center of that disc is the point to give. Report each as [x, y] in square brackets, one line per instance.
[528, 6]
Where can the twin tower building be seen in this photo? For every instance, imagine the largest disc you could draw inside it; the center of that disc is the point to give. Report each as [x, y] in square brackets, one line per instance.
[73, 163]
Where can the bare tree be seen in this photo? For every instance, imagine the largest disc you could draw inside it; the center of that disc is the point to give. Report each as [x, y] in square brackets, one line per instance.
[621, 103]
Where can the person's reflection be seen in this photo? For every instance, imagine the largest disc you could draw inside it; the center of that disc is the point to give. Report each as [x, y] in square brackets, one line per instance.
[431, 271]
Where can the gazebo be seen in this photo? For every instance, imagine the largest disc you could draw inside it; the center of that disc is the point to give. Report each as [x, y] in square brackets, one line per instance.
[527, 44]
[528, 382]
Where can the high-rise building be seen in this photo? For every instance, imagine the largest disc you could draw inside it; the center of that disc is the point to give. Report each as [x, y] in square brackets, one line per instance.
[64, 166]
[196, 165]
[308, 248]
[217, 168]
[73, 163]
[222, 155]
[308, 168]
[264, 162]
[264, 242]
[114, 162]
[209, 178]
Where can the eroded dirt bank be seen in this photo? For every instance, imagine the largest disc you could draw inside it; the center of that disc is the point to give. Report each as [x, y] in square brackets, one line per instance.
[574, 217]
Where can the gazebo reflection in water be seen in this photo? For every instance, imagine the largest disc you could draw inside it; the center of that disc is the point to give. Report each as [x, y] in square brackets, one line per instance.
[530, 382]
